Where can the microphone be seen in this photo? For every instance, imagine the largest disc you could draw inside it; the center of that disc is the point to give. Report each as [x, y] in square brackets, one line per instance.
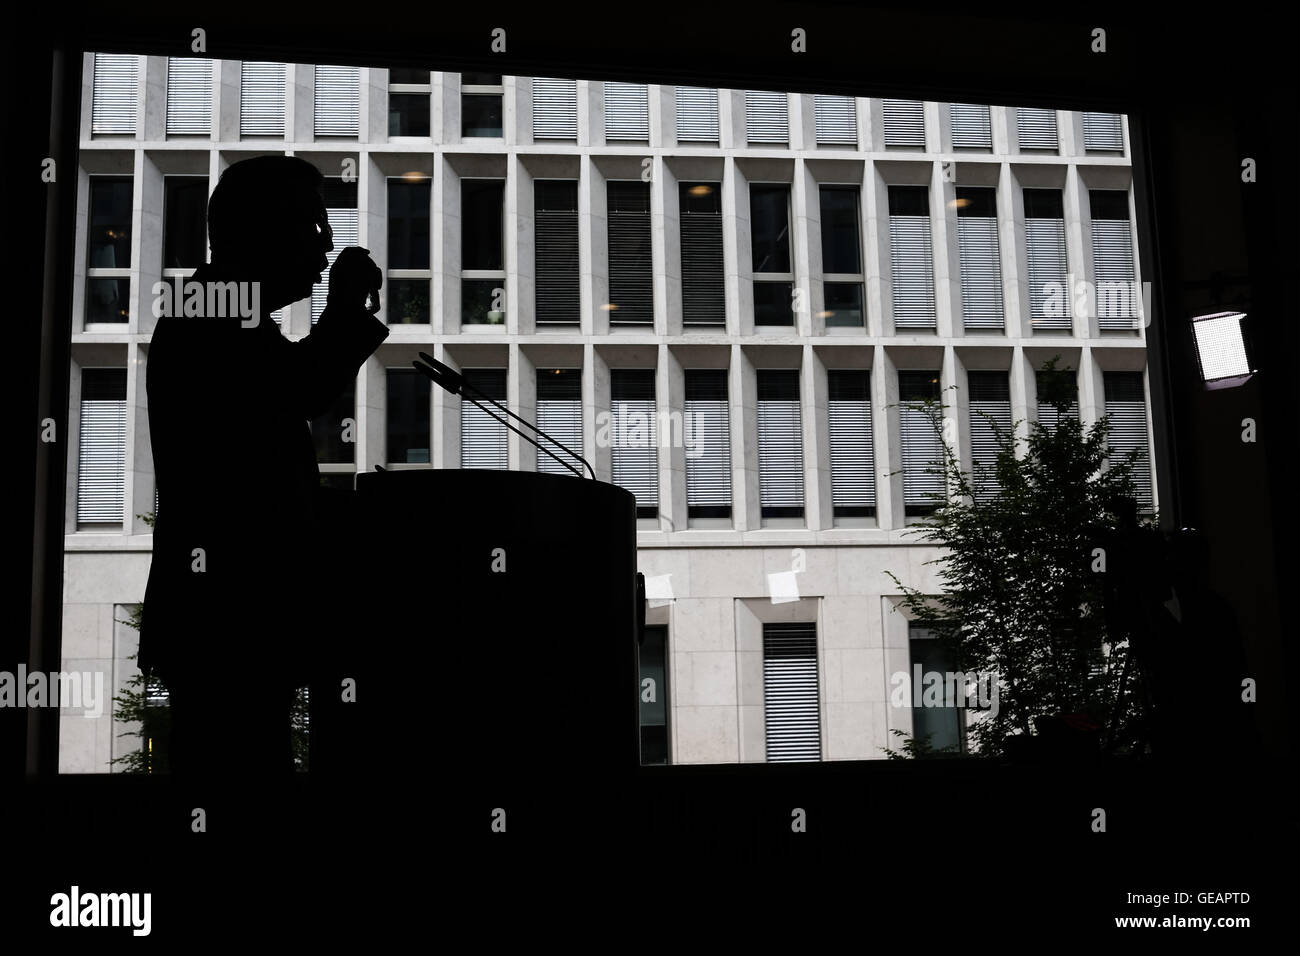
[448, 378]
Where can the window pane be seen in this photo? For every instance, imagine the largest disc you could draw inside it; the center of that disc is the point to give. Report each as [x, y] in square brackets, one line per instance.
[940, 725]
[844, 305]
[185, 207]
[329, 430]
[108, 300]
[651, 662]
[477, 300]
[480, 224]
[109, 241]
[408, 224]
[772, 305]
[480, 114]
[408, 416]
[769, 207]
[408, 114]
[480, 79]
[408, 301]
[840, 246]
[408, 74]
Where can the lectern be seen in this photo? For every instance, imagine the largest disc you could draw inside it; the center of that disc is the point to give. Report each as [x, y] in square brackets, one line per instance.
[496, 651]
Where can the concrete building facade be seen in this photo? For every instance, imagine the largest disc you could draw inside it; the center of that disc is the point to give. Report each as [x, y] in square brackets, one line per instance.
[828, 260]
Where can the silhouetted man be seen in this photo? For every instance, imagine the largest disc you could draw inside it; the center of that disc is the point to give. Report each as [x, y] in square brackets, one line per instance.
[241, 586]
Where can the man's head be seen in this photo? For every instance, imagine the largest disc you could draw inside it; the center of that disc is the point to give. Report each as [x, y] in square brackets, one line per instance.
[267, 221]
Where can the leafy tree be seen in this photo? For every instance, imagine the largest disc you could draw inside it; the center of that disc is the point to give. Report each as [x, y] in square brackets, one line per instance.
[1022, 596]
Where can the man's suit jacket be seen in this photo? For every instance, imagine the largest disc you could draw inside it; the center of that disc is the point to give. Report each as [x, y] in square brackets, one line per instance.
[237, 574]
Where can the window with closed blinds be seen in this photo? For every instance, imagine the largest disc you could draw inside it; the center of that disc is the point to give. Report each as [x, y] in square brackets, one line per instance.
[631, 279]
[555, 108]
[904, 122]
[338, 101]
[113, 96]
[1058, 395]
[853, 467]
[555, 251]
[1103, 131]
[837, 120]
[483, 438]
[990, 417]
[1114, 273]
[697, 114]
[559, 414]
[261, 98]
[972, 126]
[101, 455]
[707, 428]
[767, 117]
[921, 442]
[791, 708]
[341, 207]
[980, 258]
[1036, 129]
[910, 257]
[189, 96]
[634, 455]
[780, 444]
[627, 112]
[1048, 268]
[1127, 408]
[703, 289]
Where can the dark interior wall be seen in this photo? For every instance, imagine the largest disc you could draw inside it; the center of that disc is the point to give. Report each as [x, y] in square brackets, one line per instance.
[1195, 82]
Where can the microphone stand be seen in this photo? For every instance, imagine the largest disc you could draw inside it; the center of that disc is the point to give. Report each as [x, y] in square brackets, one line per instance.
[448, 378]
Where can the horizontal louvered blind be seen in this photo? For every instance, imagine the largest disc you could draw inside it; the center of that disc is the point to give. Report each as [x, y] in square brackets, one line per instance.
[101, 457]
[343, 223]
[555, 108]
[482, 438]
[1046, 260]
[1126, 405]
[703, 284]
[767, 117]
[338, 100]
[780, 440]
[634, 455]
[911, 262]
[972, 126]
[697, 114]
[980, 259]
[1049, 383]
[921, 442]
[904, 122]
[627, 111]
[114, 94]
[791, 710]
[631, 280]
[189, 96]
[559, 414]
[1103, 131]
[262, 98]
[1036, 129]
[837, 120]
[1114, 272]
[555, 217]
[853, 468]
[707, 426]
[990, 417]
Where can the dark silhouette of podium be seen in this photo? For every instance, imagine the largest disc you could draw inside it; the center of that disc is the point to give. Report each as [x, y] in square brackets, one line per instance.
[495, 646]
